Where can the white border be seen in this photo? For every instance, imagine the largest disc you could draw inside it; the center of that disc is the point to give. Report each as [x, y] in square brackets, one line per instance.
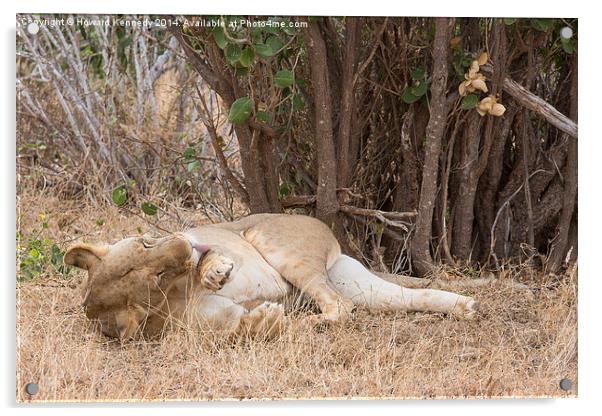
[589, 202]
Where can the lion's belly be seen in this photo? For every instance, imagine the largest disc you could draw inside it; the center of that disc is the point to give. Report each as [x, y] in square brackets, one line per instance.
[252, 279]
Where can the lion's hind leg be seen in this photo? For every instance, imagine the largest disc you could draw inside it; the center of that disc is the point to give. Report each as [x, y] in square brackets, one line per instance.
[353, 281]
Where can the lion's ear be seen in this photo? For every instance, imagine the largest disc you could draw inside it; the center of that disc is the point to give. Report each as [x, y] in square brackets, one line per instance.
[83, 256]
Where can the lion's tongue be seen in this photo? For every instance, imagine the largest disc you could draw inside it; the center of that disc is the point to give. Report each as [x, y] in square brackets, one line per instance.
[201, 248]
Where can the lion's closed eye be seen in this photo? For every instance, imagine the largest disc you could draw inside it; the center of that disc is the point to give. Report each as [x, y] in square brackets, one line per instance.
[147, 243]
[160, 276]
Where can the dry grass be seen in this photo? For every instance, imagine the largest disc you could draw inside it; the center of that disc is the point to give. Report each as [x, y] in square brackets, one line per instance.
[522, 346]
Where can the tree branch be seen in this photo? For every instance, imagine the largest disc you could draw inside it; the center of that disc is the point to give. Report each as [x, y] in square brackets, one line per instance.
[421, 255]
[538, 105]
[206, 117]
[389, 218]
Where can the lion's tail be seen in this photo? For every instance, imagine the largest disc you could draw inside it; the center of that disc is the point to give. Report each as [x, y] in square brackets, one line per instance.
[444, 284]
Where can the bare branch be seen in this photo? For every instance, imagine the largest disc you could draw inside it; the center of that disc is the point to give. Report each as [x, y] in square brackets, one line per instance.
[206, 118]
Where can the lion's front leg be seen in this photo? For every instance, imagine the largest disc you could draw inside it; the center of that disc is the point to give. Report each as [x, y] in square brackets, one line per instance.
[215, 271]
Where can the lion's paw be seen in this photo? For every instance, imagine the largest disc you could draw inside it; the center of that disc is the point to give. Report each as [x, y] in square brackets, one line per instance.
[216, 273]
[267, 319]
[467, 309]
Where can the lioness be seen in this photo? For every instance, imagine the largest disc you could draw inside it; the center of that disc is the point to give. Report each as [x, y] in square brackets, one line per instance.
[233, 277]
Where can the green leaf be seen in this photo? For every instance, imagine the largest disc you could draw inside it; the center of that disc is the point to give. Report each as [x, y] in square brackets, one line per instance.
[119, 195]
[124, 42]
[274, 43]
[189, 154]
[542, 24]
[192, 165]
[240, 71]
[420, 89]
[568, 45]
[469, 102]
[34, 253]
[148, 208]
[56, 256]
[241, 110]
[284, 190]
[263, 50]
[246, 57]
[298, 103]
[408, 97]
[232, 53]
[284, 78]
[257, 35]
[509, 21]
[220, 37]
[263, 116]
[289, 30]
[418, 74]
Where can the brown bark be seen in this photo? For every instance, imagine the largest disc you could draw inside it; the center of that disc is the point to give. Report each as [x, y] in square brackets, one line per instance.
[406, 193]
[266, 150]
[464, 207]
[327, 204]
[508, 233]
[489, 182]
[499, 57]
[347, 110]
[528, 207]
[560, 244]
[249, 158]
[444, 217]
[421, 255]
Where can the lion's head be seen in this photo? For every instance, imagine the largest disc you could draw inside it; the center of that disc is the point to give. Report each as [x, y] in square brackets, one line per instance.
[129, 280]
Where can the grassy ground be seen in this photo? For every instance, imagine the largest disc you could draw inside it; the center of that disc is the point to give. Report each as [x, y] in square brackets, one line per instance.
[522, 345]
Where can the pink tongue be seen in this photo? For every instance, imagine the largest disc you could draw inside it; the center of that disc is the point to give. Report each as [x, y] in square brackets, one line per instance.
[201, 248]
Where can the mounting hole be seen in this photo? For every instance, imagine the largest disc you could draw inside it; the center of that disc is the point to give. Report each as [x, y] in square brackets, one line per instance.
[32, 388]
[566, 384]
[33, 28]
[566, 32]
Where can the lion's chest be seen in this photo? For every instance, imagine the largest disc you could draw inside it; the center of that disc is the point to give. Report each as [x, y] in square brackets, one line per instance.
[252, 278]
[255, 281]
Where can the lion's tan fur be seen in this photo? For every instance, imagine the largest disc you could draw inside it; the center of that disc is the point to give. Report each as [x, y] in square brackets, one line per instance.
[238, 279]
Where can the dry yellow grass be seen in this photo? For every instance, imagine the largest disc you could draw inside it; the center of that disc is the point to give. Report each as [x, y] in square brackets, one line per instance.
[522, 346]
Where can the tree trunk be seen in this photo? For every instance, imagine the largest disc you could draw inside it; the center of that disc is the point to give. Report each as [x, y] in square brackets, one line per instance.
[559, 246]
[464, 207]
[250, 162]
[423, 262]
[327, 204]
[347, 110]
[489, 182]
